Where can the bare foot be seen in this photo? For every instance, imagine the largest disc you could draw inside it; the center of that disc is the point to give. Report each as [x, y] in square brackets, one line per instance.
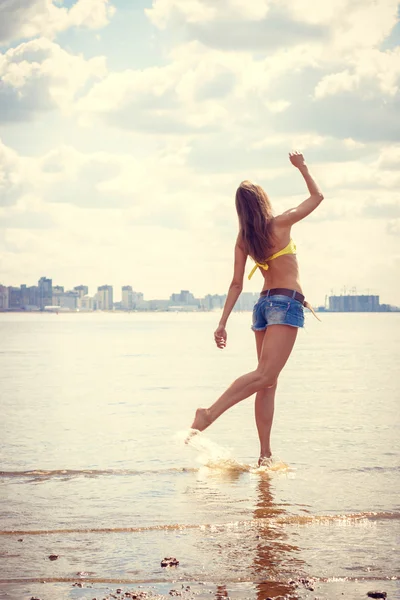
[202, 419]
[265, 461]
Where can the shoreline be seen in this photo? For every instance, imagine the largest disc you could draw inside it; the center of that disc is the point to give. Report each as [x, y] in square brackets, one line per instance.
[301, 588]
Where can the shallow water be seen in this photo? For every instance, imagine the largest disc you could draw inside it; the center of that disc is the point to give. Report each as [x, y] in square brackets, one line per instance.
[95, 408]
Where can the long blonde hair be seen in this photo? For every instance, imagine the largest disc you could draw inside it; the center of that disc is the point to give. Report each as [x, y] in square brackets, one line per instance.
[255, 216]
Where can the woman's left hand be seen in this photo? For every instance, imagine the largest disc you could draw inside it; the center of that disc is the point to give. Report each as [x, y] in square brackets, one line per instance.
[220, 336]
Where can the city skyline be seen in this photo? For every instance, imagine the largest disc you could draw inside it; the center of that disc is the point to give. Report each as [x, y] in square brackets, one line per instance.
[343, 290]
[46, 296]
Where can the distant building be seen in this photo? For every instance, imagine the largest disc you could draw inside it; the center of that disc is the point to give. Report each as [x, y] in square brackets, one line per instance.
[3, 297]
[55, 299]
[86, 303]
[127, 298]
[213, 301]
[45, 292]
[24, 296]
[139, 301]
[33, 297]
[104, 298]
[82, 290]
[246, 301]
[388, 308]
[29, 297]
[14, 298]
[132, 300]
[66, 300]
[354, 303]
[184, 298]
[157, 304]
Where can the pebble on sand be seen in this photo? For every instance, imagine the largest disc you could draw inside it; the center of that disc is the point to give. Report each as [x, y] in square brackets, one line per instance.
[377, 594]
[53, 556]
[169, 562]
[307, 582]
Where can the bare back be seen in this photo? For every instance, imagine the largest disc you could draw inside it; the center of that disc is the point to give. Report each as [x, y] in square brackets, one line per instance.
[283, 271]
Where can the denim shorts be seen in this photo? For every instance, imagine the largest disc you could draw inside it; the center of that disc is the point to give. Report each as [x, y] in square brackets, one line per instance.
[277, 310]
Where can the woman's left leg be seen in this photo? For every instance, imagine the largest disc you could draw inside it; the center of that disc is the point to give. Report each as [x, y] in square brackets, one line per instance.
[276, 348]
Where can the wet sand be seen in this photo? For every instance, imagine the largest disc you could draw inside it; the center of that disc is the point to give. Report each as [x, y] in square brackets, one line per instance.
[108, 590]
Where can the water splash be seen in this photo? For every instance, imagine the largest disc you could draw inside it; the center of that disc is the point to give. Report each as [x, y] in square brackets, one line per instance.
[275, 466]
[219, 458]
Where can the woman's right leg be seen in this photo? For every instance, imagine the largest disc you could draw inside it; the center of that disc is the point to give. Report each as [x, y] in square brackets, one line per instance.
[264, 408]
[264, 412]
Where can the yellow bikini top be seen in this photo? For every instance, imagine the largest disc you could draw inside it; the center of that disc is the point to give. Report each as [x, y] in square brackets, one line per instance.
[289, 249]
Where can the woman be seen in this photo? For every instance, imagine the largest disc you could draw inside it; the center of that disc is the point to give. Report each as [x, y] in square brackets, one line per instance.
[279, 311]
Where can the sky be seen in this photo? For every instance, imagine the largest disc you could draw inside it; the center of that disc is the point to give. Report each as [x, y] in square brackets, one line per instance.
[127, 125]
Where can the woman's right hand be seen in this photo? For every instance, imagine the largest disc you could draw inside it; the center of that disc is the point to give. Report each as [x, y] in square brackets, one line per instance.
[220, 336]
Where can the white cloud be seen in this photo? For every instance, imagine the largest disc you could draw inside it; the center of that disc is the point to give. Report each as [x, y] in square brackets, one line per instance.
[194, 11]
[364, 24]
[359, 174]
[44, 18]
[186, 95]
[343, 25]
[389, 158]
[310, 55]
[277, 106]
[202, 90]
[236, 26]
[198, 89]
[336, 82]
[351, 24]
[372, 72]
[102, 180]
[29, 213]
[40, 75]
[12, 180]
[393, 227]
[382, 210]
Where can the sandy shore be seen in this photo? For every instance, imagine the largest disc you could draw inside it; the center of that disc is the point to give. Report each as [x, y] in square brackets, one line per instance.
[96, 590]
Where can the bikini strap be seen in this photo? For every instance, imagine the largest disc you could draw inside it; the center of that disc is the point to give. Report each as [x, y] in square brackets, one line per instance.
[265, 267]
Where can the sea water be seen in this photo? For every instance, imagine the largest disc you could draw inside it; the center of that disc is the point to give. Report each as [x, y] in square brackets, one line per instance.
[94, 469]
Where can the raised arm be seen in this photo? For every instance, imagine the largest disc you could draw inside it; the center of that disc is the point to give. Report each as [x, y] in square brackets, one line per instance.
[294, 215]
[234, 292]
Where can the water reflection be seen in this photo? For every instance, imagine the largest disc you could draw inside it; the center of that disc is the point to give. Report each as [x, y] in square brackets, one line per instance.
[275, 559]
[221, 592]
[250, 544]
